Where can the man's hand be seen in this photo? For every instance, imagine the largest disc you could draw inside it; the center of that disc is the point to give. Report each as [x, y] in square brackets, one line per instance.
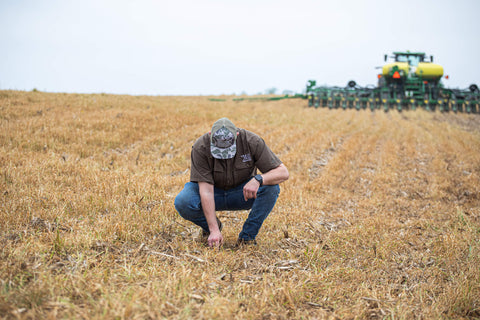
[250, 189]
[215, 239]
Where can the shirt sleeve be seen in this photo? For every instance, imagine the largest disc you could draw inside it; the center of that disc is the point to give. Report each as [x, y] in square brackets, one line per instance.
[265, 159]
[201, 166]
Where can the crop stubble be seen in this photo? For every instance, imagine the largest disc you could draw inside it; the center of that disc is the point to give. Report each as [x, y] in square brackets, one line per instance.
[380, 218]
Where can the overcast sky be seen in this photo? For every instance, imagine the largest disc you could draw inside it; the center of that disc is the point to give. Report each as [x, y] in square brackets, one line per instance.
[212, 47]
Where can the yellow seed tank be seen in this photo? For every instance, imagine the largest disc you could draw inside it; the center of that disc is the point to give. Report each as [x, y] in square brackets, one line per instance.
[429, 71]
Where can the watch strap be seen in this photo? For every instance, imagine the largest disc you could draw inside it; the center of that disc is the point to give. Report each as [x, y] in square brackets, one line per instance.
[259, 178]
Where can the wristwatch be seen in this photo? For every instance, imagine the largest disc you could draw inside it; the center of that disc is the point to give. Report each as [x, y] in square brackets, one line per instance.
[259, 178]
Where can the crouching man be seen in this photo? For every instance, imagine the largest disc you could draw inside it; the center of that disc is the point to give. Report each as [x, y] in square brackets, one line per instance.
[224, 176]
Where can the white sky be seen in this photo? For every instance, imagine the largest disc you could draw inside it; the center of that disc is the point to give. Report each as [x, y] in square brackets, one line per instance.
[191, 47]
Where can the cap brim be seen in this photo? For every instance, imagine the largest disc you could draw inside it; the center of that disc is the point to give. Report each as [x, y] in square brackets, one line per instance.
[223, 153]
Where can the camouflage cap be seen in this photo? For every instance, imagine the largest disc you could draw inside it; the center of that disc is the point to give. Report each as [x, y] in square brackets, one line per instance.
[223, 139]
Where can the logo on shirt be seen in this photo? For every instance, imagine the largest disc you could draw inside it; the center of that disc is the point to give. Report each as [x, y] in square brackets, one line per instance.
[246, 157]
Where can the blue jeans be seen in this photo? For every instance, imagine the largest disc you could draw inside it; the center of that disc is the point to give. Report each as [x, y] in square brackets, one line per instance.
[189, 206]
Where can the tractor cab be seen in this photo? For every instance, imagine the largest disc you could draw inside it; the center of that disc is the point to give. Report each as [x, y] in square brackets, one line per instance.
[413, 59]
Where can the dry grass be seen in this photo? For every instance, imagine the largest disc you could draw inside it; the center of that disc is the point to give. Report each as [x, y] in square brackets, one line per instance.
[379, 220]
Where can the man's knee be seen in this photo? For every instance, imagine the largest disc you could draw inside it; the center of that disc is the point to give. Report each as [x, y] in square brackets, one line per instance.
[179, 203]
[183, 204]
[187, 201]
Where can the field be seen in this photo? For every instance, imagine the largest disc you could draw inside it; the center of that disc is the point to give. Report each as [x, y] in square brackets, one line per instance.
[380, 218]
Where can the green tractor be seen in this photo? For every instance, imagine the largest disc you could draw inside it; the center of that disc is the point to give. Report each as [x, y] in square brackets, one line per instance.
[411, 80]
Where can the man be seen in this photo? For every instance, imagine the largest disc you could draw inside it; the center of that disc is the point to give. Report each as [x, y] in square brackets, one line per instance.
[224, 177]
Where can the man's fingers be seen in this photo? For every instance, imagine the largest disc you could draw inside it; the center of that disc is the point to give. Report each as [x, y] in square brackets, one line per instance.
[214, 244]
[249, 194]
[215, 240]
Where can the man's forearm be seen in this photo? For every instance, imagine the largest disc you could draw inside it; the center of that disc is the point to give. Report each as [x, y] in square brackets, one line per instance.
[275, 176]
[208, 205]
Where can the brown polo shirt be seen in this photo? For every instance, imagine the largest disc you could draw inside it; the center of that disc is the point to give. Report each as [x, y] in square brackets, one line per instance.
[252, 154]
